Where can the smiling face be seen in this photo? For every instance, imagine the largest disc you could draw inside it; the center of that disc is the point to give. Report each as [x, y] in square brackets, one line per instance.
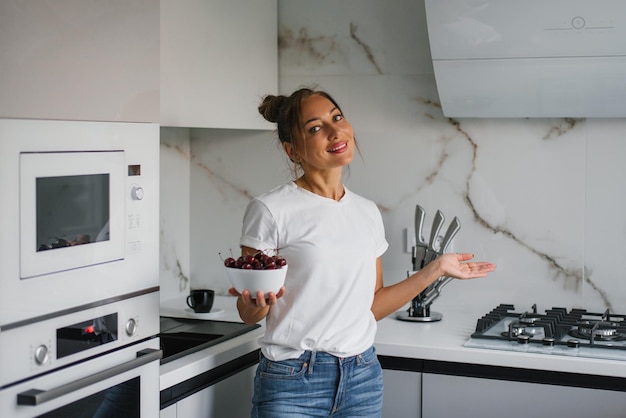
[327, 140]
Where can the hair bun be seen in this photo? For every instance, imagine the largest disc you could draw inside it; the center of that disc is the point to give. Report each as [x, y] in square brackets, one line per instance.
[270, 107]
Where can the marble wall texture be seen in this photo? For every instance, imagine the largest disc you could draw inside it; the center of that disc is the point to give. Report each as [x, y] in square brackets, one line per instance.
[542, 198]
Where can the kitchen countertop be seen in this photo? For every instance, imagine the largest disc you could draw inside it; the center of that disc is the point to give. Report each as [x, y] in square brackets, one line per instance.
[440, 341]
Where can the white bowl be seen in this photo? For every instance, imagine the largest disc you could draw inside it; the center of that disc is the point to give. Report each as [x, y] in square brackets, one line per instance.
[257, 280]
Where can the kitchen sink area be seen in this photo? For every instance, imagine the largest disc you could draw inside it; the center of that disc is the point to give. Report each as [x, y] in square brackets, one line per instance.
[183, 336]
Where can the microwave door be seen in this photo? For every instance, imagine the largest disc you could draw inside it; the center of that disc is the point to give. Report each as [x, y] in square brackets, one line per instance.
[72, 211]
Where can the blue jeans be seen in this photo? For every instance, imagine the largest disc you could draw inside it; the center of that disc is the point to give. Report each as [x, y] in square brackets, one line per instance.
[319, 385]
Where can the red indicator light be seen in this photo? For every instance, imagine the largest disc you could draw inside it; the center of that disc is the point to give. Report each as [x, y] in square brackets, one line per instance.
[89, 330]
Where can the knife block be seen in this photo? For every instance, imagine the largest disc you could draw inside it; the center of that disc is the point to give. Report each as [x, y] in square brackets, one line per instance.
[419, 310]
[422, 254]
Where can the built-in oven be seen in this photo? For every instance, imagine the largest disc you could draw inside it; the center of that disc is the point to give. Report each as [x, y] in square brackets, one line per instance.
[123, 383]
[102, 360]
[79, 214]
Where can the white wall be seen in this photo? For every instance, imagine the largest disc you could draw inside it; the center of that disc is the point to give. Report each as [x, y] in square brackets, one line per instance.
[542, 198]
[80, 60]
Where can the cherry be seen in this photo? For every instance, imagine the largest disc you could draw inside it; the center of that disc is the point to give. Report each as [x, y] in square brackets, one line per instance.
[259, 255]
[257, 261]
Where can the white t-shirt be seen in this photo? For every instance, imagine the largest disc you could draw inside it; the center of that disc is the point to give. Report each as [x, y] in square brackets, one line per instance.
[331, 249]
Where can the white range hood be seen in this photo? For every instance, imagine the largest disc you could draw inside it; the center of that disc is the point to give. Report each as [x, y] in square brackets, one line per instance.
[531, 58]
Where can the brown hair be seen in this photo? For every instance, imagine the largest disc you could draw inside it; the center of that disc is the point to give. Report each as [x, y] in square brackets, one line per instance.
[284, 111]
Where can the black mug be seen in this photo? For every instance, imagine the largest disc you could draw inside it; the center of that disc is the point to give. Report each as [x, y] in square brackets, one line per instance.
[201, 300]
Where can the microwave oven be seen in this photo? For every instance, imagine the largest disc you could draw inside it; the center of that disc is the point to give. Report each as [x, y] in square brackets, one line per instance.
[79, 215]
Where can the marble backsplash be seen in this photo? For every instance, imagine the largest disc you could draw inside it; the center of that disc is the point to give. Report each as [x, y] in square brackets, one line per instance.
[542, 198]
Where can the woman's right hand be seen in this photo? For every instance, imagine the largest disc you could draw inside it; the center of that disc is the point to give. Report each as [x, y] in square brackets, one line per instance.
[252, 310]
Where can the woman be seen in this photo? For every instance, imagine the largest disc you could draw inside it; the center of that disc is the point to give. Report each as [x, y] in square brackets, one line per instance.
[317, 353]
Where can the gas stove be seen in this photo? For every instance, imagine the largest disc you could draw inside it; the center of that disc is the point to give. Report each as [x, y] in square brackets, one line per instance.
[557, 331]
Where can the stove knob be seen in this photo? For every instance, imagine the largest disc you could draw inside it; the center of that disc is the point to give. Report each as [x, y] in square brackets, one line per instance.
[137, 193]
[573, 343]
[548, 341]
[41, 354]
[131, 327]
[523, 339]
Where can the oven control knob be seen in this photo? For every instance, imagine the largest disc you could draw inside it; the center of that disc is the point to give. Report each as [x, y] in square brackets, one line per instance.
[137, 193]
[549, 341]
[41, 354]
[131, 327]
[523, 339]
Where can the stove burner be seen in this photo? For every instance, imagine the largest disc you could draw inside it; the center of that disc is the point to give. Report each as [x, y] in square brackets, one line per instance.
[527, 318]
[599, 330]
[526, 325]
[521, 328]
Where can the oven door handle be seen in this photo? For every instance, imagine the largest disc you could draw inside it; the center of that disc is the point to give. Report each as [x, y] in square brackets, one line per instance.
[35, 397]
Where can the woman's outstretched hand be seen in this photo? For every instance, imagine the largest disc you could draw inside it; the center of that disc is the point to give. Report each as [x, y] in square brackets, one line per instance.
[457, 265]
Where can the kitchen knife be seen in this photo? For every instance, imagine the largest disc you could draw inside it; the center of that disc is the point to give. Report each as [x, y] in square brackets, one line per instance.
[420, 244]
[434, 290]
[431, 252]
[453, 228]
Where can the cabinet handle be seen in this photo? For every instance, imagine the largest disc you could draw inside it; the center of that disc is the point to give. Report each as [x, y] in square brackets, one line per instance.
[35, 397]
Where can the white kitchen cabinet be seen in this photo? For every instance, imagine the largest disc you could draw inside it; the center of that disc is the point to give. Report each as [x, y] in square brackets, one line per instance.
[80, 60]
[218, 59]
[402, 395]
[229, 398]
[457, 396]
[169, 412]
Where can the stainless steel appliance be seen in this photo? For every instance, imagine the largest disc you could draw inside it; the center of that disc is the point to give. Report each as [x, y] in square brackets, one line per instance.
[79, 294]
[557, 331]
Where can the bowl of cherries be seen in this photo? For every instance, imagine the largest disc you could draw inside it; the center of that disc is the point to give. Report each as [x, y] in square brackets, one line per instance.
[258, 272]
